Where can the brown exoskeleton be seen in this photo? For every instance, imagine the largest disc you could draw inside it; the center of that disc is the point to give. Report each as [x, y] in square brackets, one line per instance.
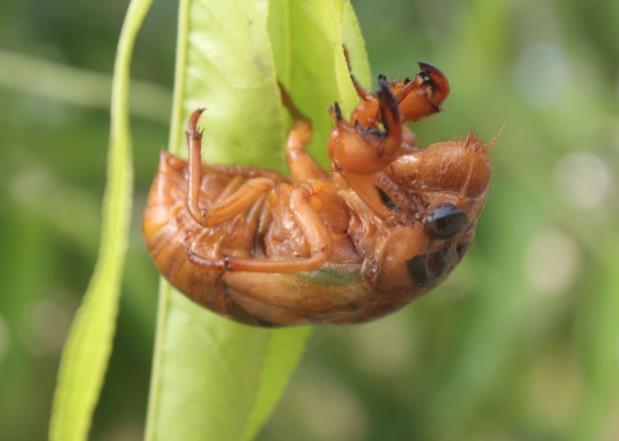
[388, 224]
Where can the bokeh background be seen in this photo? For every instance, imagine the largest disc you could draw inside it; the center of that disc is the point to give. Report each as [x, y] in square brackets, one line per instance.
[521, 343]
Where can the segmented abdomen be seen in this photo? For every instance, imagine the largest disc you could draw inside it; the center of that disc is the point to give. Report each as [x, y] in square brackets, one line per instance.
[169, 229]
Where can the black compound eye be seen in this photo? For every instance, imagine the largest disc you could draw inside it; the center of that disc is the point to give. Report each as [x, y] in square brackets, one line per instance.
[426, 269]
[446, 220]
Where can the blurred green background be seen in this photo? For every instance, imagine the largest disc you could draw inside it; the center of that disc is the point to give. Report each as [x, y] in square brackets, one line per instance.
[521, 343]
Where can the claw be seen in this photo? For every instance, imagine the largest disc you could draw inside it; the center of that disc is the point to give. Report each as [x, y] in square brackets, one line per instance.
[383, 84]
[337, 111]
[390, 116]
[429, 68]
[192, 126]
[424, 95]
[434, 76]
[388, 106]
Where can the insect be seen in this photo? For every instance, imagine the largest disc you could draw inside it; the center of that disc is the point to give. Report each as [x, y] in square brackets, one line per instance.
[387, 224]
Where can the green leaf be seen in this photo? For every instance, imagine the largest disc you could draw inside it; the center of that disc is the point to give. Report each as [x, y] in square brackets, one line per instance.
[354, 42]
[86, 352]
[214, 379]
[307, 39]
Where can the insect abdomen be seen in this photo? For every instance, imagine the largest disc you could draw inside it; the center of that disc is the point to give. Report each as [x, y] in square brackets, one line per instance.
[169, 229]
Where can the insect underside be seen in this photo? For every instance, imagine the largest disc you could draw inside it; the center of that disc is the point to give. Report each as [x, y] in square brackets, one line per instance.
[387, 224]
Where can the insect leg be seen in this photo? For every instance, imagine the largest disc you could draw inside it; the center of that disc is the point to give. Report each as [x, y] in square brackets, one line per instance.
[194, 140]
[315, 233]
[300, 163]
[390, 114]
[366, 190]
[238, 202]
[225, 208]
[355, 149]
[424, 95]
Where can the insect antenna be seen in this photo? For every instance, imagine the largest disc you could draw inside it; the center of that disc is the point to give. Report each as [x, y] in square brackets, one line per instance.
[496, 137]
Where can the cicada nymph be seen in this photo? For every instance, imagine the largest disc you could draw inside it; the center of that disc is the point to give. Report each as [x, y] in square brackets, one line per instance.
[388, 223]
